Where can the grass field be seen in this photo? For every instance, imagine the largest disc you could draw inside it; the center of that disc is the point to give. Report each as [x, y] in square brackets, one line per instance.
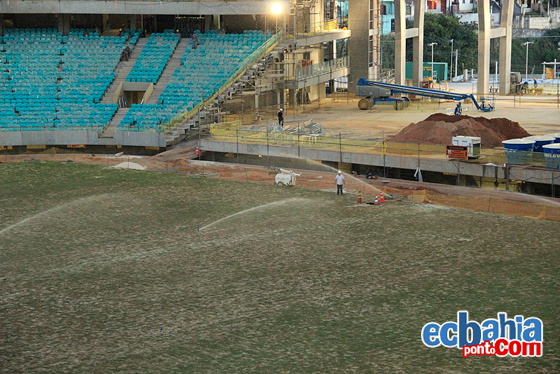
[104, 271]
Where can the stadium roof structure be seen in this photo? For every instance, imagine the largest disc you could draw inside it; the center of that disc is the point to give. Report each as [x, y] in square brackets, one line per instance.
[245, 7]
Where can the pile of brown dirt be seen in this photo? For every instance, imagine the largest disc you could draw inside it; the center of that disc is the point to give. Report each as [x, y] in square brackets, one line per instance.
[439, 128]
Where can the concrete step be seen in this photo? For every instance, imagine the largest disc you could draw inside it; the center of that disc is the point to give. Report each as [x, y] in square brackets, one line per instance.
[173, 64]
[122, 70]
[114, 124]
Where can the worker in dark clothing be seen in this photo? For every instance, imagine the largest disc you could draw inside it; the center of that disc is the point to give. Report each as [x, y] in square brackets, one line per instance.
[194, 41]
[281, 117]
[458, 109]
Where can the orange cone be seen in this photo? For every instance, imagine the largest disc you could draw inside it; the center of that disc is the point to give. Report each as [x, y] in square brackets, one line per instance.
[382, 199]
[197, 152]
[376, 202]
[360, 198]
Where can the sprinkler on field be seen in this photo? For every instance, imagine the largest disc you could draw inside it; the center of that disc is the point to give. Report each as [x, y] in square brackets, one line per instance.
[286, 178]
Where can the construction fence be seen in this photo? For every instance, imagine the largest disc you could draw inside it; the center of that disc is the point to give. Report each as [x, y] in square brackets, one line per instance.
[309, 135]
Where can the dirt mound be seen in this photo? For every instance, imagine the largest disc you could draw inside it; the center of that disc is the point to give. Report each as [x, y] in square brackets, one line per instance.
[129, 165]
[439, 128]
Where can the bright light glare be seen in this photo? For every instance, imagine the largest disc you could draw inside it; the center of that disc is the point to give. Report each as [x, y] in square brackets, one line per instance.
[276, 8]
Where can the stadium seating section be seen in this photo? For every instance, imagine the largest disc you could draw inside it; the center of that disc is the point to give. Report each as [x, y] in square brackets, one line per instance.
[153, 58]
[203, 71]
[49, 81]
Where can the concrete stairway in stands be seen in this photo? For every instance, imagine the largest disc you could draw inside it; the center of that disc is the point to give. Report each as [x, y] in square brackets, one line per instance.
[173, 64]
[122, 71]
[114, 124]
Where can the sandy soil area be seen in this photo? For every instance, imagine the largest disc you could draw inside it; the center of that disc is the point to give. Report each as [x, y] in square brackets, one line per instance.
[177, 161]
[537, 114]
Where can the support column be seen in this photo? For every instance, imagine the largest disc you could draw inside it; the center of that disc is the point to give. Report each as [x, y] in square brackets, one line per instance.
[132, 20]
[208, 22]
[64, 24]
[417, 35]
[418, 44]
[216, 20]
[106, 30]
[400, 41]
[506, 21]
[484, 31]
[1, 22]
[358, 44]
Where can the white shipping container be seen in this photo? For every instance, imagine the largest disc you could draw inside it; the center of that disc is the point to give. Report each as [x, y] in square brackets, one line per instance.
[471, 142]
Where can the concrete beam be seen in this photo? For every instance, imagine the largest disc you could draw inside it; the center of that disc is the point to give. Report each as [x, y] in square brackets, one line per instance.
[138, 7]
[497, 32]
[418, 43]
[484, 35]
[327, 36]
[411, 33]
[400, 42]
[417, 35]
[505, 46]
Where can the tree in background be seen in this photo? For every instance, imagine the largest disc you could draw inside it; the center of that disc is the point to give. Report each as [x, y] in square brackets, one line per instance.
[544, 49]
[439, 28]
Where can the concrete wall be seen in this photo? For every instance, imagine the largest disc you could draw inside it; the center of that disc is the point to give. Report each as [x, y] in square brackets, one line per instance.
[60, 137]
[526, 33]
[398, 162]
[317, 91]
[473, 17]
[539, 23]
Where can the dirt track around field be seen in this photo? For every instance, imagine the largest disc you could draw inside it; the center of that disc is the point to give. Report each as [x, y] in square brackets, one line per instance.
[178, 161]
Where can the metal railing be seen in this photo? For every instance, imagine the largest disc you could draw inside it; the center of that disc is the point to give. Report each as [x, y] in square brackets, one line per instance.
[294, 139]
[326, 67]
[313, 28]
[249, 61]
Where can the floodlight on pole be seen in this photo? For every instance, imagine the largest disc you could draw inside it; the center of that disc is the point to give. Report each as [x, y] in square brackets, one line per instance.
[276, 9]
[432, 45]
[527, 59]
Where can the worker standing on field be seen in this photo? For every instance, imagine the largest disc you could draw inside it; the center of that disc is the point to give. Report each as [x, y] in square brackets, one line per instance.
[339, 183]
[281, 117]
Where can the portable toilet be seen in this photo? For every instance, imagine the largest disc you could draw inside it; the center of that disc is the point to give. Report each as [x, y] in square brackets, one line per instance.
[552, 156]
[518, 151]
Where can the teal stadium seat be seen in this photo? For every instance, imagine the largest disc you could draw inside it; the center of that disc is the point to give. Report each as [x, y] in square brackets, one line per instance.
[53, 82]
[202, 73]
[56, 82]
